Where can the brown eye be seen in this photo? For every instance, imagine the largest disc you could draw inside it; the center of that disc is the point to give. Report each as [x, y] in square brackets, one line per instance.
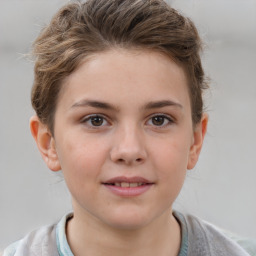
[158, 120]
[97, 120]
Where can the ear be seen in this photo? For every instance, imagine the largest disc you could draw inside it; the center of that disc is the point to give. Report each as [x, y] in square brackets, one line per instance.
[198, 138]
[45, 143]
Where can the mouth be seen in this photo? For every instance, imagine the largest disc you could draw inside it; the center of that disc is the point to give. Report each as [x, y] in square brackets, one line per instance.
[128, 187]
[127, 184]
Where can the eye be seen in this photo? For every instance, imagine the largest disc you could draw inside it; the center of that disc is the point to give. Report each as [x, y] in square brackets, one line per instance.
[160, 120]
[95, 121]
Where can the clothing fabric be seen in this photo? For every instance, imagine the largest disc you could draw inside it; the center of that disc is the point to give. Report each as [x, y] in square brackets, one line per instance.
[199, 238]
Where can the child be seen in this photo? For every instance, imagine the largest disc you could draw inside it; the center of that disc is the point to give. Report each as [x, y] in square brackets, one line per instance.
[118, 98]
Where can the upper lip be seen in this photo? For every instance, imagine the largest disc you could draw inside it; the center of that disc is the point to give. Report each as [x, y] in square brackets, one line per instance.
[120, 179]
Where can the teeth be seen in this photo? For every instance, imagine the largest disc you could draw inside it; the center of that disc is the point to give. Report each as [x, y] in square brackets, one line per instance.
[127, 185]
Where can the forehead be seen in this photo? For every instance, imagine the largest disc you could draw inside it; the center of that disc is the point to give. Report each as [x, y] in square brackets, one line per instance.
[126, 76]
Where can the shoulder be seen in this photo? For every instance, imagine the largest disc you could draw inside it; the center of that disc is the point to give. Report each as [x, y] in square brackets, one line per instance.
[11, 249]
[39, 242]
[249, 244]
[206, 239]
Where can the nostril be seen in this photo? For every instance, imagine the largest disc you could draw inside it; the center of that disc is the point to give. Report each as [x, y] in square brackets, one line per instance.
[137, 160]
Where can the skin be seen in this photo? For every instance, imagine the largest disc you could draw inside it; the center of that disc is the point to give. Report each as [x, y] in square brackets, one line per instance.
[144, 129]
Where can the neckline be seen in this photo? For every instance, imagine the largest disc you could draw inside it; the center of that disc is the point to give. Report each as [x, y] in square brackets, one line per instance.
[64, 248]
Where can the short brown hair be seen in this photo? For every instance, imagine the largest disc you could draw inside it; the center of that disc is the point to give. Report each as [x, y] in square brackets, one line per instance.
[81, 29]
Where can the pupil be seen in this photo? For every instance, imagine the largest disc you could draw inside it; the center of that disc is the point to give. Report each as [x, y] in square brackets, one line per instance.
[158, 120]
[97, 121]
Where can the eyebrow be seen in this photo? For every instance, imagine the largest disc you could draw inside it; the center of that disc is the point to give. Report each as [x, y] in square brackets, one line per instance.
[104, 105]
[162, 103]
[95, 104]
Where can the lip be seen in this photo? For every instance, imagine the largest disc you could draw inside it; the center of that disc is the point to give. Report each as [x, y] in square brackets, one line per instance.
[128, 191]
[135, 179]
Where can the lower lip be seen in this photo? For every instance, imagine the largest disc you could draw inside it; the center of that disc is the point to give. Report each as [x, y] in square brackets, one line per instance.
[128, 191]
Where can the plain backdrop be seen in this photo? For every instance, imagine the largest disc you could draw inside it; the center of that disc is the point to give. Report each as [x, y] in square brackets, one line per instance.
[221, 189]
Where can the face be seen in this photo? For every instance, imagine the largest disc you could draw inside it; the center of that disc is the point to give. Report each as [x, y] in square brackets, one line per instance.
[124, 137]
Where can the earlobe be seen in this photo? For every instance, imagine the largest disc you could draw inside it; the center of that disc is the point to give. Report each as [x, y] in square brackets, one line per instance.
[198, 138]
[45, 143]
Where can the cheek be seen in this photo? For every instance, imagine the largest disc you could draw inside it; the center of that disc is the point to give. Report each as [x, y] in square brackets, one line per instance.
[81, 159]
[171, 158]
[169, 163]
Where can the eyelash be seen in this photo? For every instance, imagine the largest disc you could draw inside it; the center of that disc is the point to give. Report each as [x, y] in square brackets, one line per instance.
[90, 119]
[166, 118]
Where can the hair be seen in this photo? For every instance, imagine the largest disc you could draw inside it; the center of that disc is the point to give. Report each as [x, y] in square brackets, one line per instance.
[79, 30]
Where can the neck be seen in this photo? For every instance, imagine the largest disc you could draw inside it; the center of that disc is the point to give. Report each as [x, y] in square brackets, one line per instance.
[160, 237]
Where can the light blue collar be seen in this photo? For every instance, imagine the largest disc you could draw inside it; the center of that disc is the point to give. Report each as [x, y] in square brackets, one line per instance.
[64, 249]
[61, 239]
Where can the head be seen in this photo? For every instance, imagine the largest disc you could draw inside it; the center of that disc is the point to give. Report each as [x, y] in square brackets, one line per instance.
[118, 97]
[80, 30]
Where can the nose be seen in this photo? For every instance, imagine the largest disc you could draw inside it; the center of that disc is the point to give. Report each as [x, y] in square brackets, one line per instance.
[128, 147]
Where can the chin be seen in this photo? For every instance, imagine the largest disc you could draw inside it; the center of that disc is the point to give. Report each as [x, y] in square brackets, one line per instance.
[128, 225]
[128, 220]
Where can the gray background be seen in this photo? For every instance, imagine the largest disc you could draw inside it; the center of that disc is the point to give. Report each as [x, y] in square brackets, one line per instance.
[221, 189]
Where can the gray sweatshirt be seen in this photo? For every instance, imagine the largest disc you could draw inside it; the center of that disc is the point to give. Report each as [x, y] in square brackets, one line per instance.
[199, 238]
